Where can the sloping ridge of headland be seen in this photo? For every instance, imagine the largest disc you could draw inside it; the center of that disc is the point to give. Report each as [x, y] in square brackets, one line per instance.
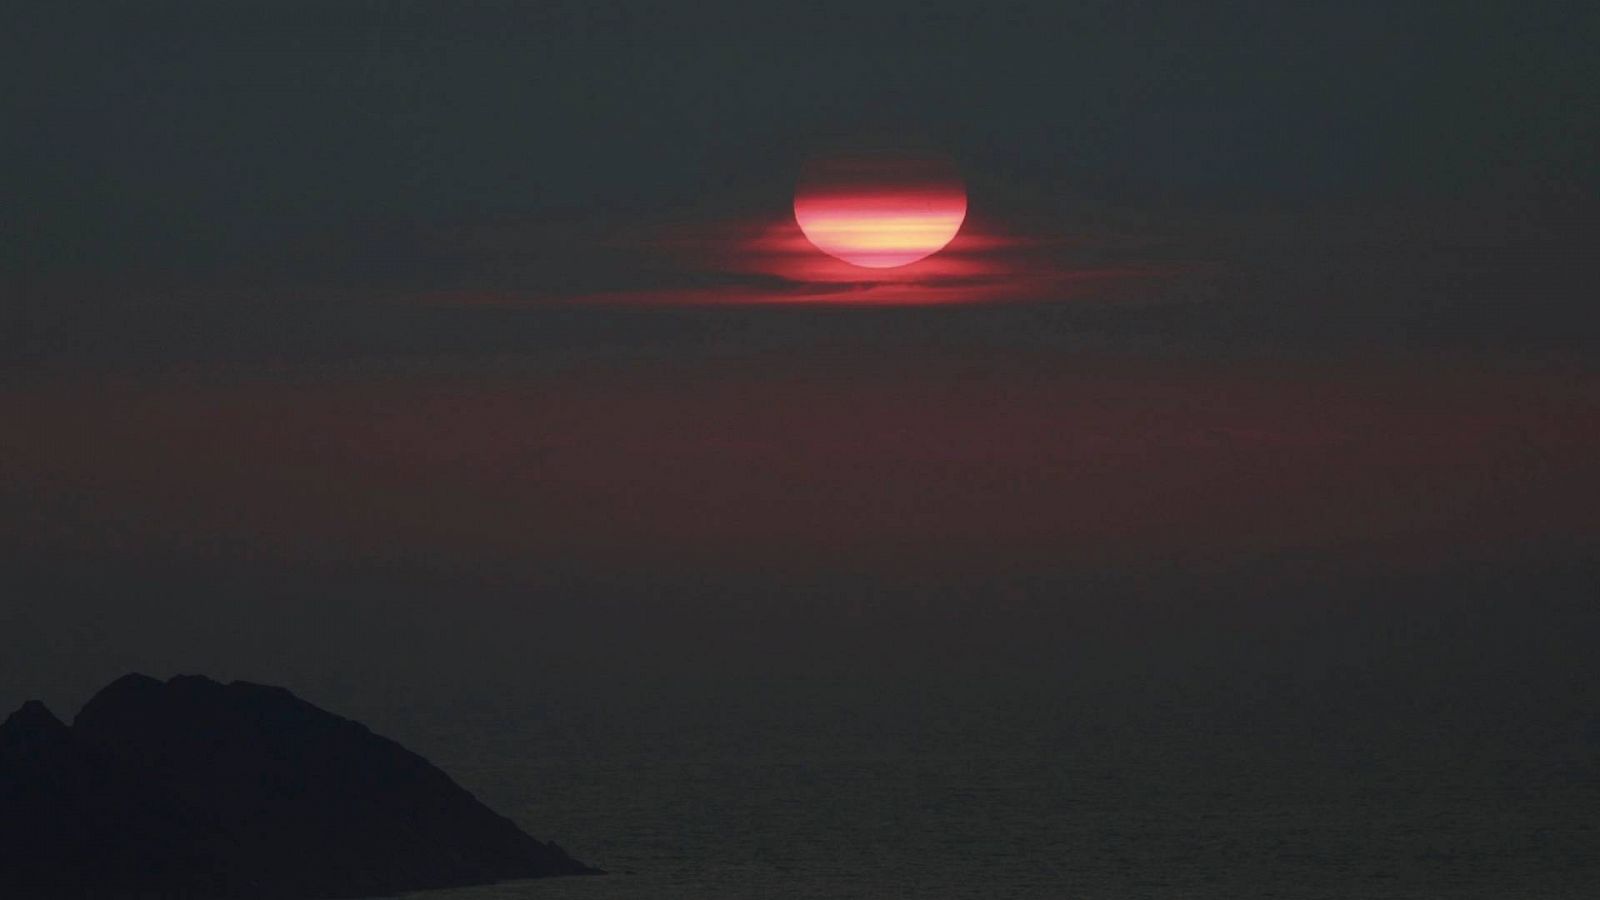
[191, 788]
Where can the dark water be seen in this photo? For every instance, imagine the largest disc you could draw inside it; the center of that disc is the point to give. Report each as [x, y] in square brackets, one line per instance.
[1456, 756]
[912, 805]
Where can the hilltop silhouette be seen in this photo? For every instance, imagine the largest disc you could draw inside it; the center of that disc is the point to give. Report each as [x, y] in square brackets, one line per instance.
[196, 789]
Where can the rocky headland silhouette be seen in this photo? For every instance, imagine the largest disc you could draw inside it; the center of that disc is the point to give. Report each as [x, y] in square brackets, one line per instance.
[194, 790]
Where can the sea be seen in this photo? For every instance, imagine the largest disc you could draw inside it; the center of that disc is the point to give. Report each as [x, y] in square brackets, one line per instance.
[1373, 755]
[944, 802]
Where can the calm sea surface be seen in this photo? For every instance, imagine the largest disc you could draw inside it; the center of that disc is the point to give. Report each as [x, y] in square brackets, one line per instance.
[963, 791]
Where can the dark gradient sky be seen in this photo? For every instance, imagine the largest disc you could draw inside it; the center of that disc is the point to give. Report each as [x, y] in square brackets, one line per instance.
[501, 290]
[168, 133]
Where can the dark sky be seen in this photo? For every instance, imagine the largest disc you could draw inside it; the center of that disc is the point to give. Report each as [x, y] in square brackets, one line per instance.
[154, 134]
[512, 288]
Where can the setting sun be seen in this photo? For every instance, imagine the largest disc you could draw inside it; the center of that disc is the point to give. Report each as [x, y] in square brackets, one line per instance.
[880, 209]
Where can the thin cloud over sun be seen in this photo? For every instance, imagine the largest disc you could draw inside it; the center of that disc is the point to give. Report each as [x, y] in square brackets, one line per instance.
[765, 260]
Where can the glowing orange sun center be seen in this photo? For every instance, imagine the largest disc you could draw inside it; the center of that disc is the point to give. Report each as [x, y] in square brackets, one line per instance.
[880, 209]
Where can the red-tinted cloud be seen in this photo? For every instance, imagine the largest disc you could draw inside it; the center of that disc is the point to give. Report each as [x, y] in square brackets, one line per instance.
[765, 260]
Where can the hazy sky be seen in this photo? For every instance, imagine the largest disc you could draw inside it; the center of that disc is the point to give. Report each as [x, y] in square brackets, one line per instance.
[159, 134]
[513, 288]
